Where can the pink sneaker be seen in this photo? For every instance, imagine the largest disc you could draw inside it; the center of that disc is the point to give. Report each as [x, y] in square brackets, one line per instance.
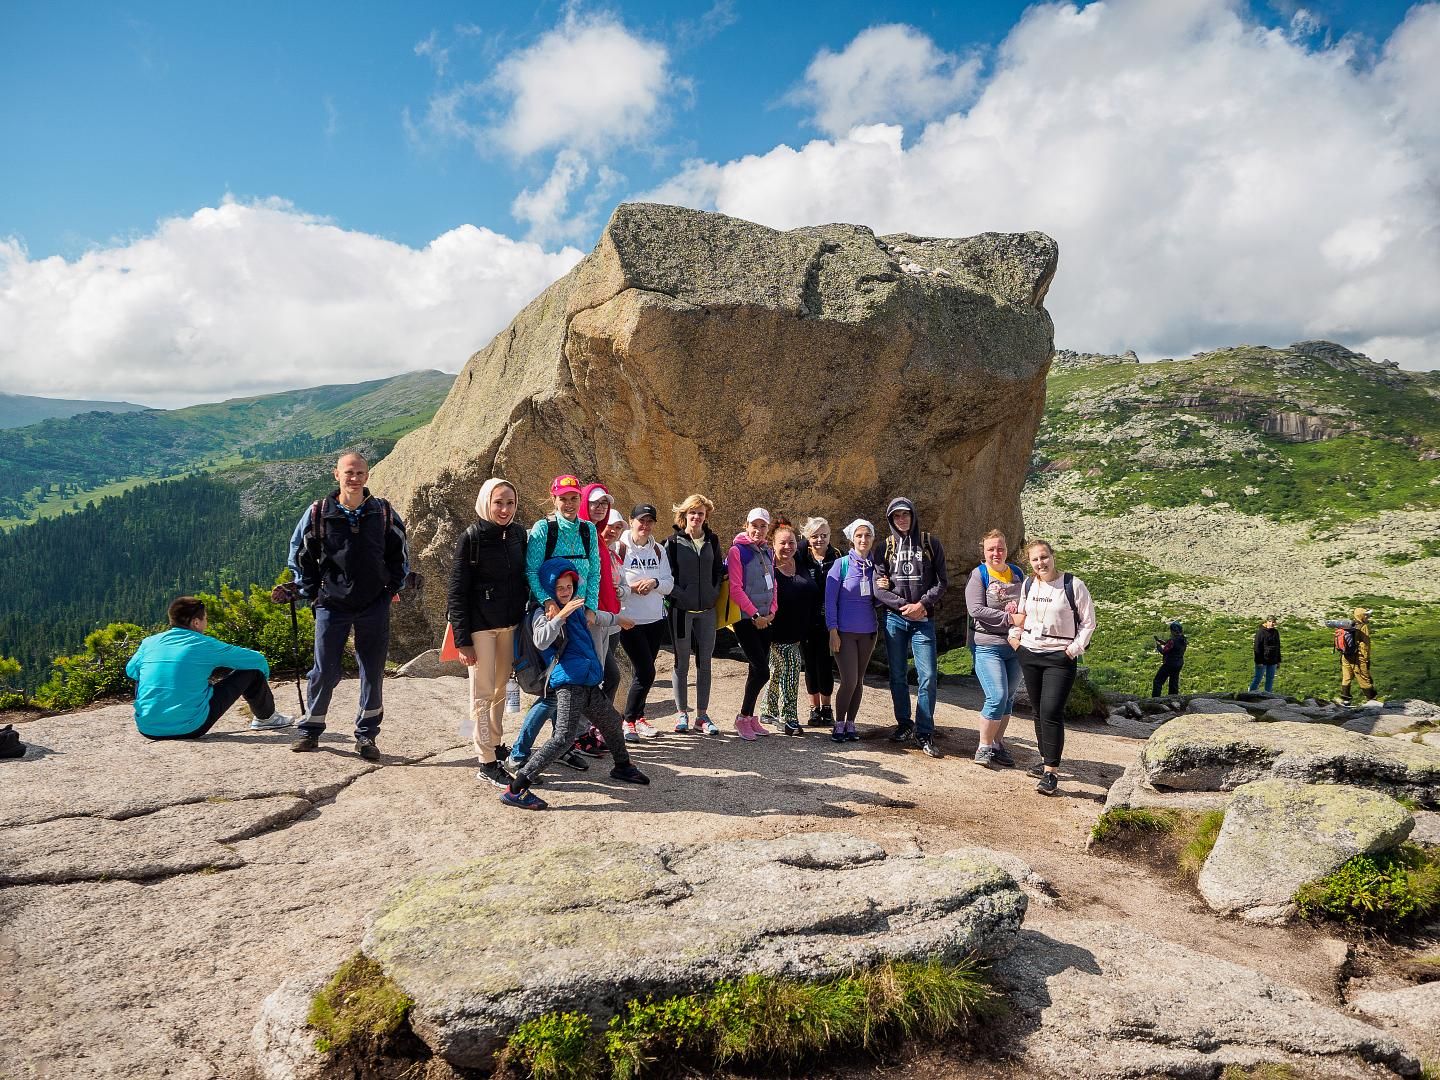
[742, 728]
[757, 727]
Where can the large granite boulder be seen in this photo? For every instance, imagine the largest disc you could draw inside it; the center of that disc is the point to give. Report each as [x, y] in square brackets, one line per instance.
[817, 371]
[1219, 752]
[1279, 835]
[488, 945]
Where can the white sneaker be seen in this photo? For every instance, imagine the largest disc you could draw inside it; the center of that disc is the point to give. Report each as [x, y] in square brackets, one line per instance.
[275, 722]
[645, 729]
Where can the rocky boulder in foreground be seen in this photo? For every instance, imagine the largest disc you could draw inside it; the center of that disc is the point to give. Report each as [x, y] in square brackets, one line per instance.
[817, 371]
[489, 945]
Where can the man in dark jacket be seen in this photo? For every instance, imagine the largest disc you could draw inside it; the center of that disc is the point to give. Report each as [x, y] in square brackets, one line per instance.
[910, 583]
[350, 559]
[1267, 655]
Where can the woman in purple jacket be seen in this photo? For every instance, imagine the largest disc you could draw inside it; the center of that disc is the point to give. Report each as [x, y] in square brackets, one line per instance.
[850, 618]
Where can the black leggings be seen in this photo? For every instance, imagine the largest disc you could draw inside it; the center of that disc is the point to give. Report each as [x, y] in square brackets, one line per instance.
[249, 684]
[755, 643]
[819, 665]
[612, 669]
[1048, 679]
[1166, 672]
[642, 644]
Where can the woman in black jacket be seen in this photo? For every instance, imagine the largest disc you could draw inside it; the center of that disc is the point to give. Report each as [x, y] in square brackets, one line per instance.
[487, 598]
[697, 563]
[815, 558]
[1267, 655]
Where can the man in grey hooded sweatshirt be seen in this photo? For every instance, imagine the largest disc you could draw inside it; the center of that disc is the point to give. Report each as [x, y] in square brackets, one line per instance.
[910, 583]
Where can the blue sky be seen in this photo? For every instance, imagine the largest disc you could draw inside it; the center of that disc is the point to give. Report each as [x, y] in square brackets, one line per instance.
[376, 133]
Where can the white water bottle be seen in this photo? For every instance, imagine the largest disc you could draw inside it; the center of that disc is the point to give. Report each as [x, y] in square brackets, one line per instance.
[512, 696]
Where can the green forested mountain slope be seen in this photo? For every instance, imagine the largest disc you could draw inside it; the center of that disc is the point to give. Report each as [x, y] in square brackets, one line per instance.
[20, 410]
[63, 460]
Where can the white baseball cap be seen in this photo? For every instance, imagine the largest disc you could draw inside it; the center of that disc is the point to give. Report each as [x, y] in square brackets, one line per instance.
[758, 514]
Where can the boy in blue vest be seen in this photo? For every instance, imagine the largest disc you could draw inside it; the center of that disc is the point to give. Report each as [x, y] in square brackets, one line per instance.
[174, 698]
[575, 675]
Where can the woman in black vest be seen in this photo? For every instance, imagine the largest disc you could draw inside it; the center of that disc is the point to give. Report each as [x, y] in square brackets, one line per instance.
[697, 565]
[815, 558]
[486, 601]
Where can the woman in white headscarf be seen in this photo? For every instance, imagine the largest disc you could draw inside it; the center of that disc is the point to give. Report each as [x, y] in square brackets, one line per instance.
[486, 601]
[850, 618]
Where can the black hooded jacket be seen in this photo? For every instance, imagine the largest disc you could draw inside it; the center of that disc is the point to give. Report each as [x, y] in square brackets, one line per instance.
[488, 588]
[915, 569]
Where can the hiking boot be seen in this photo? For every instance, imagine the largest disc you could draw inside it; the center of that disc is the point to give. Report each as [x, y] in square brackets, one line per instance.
[851, 735]
[525, 799]
[902, 733]
[742, 728]
[985, 756]
[817, 718]
[926, 746]
[630, 774]
[628, 727]
[1047, 784]
[792, 727]
[571, 760]
[494, 772]
[366, 748]
[1000, 756]
[501, 751]
[682, 725]
[1036, 771]
[645, 729]
[707, 725]
[274, 722]
[309, 740]
[827, 714]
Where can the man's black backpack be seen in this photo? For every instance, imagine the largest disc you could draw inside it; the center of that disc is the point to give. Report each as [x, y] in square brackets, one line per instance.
[10, 744]
[531, 670]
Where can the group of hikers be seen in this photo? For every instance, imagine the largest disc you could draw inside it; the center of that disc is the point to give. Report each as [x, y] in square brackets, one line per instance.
[562, 596]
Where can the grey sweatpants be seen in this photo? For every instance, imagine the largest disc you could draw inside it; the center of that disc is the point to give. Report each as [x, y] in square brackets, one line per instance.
[852, 660]
[574, 705]
[698, 636]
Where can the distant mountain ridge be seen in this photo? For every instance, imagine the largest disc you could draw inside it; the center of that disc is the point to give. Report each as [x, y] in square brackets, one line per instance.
[65, 460]
[21, 410]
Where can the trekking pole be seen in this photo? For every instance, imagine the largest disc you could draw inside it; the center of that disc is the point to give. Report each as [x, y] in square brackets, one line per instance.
[295, 652]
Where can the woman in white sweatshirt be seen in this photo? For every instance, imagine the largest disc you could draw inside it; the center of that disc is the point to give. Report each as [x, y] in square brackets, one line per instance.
[648, 581]
[1053, 625]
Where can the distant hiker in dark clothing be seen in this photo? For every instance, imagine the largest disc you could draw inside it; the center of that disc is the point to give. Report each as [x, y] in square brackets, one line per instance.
[1172, 659]
[910, 583]
[175, 699]
[350, 559]
[1267, 655]
[1352, 642]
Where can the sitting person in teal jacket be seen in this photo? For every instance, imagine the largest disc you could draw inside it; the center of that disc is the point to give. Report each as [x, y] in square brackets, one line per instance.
[174, 698]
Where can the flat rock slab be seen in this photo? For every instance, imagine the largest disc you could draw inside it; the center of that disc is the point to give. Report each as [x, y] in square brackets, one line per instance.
[1415, 1006]
[1217, 752]
[486, 946]
[1131, 791]
[1279, 835]
[1102, 1000]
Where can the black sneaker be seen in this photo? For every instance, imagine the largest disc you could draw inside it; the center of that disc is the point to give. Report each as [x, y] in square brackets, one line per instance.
[928, 748]
[1047, 784]
[817, 718]
[827, 714]
[630, 774]
[902, 733]
[792, 727]
[1036, 771]
[494, 772]
[366, 748]
[1002, 757]
[310, 740]
[571, 760]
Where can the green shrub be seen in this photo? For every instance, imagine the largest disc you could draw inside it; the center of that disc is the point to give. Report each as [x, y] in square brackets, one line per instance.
[252, 621]
[1389, 890]
[1126, 819]
[757, 1020]
[359, 1002]
[1197, 848]
[98, 671]
[1085, 702]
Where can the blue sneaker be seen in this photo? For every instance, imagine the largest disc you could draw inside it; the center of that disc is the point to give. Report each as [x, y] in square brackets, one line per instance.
[682, 725]
[525, 799]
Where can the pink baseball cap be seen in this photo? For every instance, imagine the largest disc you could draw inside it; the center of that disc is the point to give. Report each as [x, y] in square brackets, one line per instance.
[565, 484]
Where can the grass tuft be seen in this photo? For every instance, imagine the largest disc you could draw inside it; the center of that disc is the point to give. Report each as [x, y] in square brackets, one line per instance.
[1386, 891]
[757, 1021]
[1202, 841]
[359, 1002]
[1123, 819]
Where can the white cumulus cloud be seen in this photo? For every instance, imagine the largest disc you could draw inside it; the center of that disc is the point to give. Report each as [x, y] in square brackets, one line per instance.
[1210, 181]
[887, 73]
[243, 299]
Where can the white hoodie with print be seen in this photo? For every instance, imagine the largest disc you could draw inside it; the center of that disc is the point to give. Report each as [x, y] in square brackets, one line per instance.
[639, 563]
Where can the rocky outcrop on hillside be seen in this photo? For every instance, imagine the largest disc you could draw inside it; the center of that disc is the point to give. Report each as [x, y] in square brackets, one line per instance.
[817, 371]
[1069, 360]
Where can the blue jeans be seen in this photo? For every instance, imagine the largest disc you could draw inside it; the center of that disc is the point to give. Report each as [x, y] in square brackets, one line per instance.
[1268, 671]
[998, 669]
[542, 710]
[904, 638]
[372, 642]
